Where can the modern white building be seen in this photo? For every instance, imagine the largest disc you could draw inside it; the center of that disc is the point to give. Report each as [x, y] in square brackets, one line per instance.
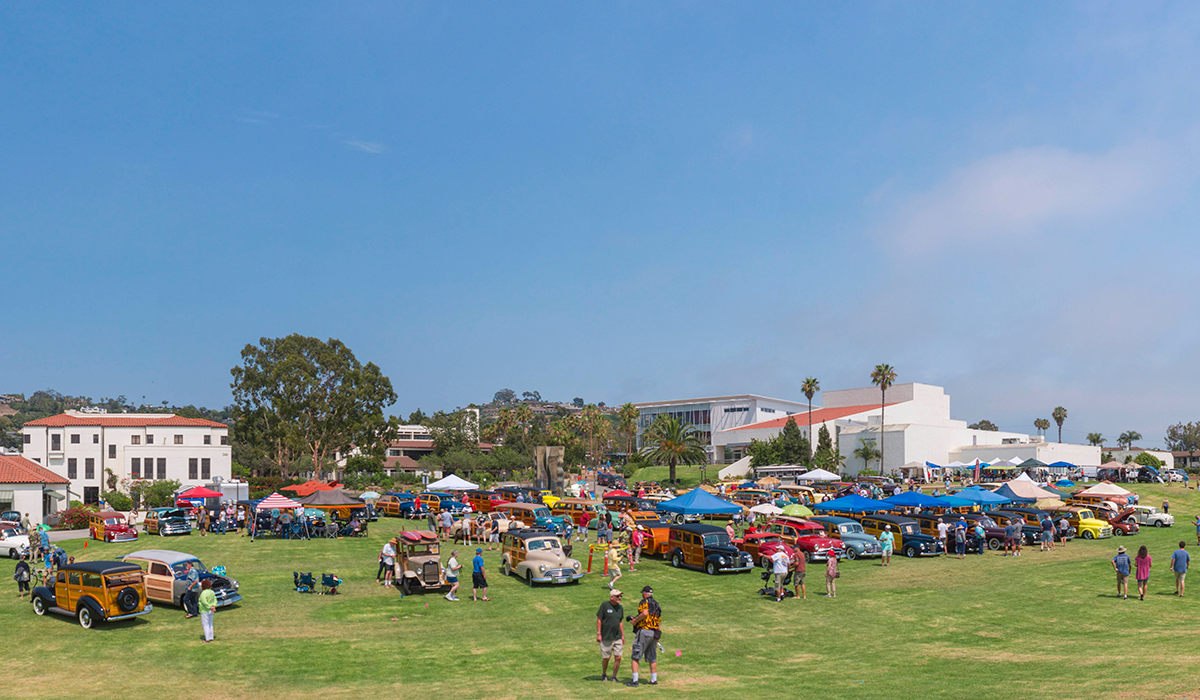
[84, 447]
[716, 413]
[30, 488]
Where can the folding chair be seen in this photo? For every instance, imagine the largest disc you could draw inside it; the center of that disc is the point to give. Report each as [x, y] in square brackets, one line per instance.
[331, 531]
[330, 582]
[303, 582]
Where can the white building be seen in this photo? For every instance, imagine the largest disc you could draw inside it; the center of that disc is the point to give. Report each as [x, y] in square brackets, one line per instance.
[30, 488]
[716, 413]
[83, 447]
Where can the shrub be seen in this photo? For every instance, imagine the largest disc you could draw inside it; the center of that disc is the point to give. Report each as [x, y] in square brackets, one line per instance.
[117, 500]
[75, 517]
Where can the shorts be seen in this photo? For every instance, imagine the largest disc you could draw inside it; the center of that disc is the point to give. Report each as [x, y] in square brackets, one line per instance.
[451, 579]
[645, 647]
[1179, 576]
[779, 581]
[609, 649]
[1142, 581]
[495, 537]
[478, 580]
[887, 551]
[614, 571]
[1046, 536]
[1122, 579]
[798, 577]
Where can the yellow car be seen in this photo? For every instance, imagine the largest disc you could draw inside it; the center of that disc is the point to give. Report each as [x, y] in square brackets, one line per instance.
[1086, 525]
[549, 498]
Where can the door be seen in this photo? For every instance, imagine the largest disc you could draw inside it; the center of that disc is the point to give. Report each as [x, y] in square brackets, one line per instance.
[695, 549]
[61, 593]
[160, 582]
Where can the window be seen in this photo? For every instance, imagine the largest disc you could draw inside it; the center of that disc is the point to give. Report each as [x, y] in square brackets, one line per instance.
[72, 468]
[112, 451]
[91, 496]
[205, 468]
[96, 439]
[224, 439]
[162, 468]
[135, 439]
[6, 500]
[56, 443]
[767, 410]
[178, 439]
[393, 453]
[135, 468]
[738, 409]
[208, 439]
[89, 468]
[149, 439]
[75, 439]
[193, 467]
[28, 438]
[160, 569]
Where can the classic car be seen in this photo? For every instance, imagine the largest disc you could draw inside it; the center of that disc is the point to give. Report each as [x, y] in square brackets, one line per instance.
[808, 536]
[504, 522]
[1084, 521]
[166, 521]
[485, 501]
[438, 501]
[548, 497]
[524, 493]
[389, 503]
[858, 542]
[1121, 524]
[707, 547]
[533, 515]
[538, 557]
[994, 532]
[760, 546]
[418, 562]
[11, 516]
[612, 481]
[94, 591]
[620, 504]
[1149, 515]
[581, 510]
[13, 542]
[657, 532]
[111, 526]
[166, 574]
[909, 540]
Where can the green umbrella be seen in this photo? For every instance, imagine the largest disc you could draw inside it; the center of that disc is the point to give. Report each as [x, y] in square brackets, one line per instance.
[797, 510]
[43, 528]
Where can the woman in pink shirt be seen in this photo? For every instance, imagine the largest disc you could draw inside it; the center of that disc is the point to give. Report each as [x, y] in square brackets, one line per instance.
[1142, 568]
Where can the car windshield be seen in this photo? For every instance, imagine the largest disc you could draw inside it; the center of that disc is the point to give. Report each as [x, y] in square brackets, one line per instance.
[1086, 514]
[417, 550]
[716, 539]
[908, 529]
[769, 540]
[544, 544]
[114, 521]
[541, 512]
[180, 568]
[173, 514]
[986, 522]
[854, 529]
[9, 532]
[648, 522]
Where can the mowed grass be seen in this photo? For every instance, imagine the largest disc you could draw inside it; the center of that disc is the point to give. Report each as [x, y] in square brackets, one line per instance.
[688, 476]
[1039, 626]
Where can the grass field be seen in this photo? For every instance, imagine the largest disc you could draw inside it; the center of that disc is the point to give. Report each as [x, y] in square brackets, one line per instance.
[688, 476]
[1040, 626]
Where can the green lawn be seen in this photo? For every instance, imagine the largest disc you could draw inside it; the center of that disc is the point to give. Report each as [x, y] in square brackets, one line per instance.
[1043, 625]
[688, 476]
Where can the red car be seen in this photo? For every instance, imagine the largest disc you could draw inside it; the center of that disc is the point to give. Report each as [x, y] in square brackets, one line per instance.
[808, 536]
[1121, 523]
[760, 546]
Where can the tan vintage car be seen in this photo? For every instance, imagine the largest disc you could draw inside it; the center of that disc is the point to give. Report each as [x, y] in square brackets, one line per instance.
[505, 525]
[537, 556]
[166, 573]
[418, 561]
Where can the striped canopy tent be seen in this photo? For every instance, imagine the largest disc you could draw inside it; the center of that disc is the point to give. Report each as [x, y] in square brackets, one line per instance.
[277, 501]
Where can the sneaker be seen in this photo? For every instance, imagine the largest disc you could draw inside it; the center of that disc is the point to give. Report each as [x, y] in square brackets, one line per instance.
[631, 684]
[652, 682]
[603, 677]
[449, 597]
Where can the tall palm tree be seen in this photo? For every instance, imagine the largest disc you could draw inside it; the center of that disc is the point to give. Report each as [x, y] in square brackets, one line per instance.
[866, 452]
[1128, 438]
[883, 377]
[809, 387]
[627, 424]
[1059, 415]
[670, 442]
[524, 416]
[1042, 424]
[1095, 439]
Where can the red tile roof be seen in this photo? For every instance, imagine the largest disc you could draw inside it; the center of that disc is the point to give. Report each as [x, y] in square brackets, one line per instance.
[819, 415]
[15, 469]
[63, 420]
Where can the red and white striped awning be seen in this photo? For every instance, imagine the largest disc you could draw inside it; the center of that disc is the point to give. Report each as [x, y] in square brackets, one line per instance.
[277, 501]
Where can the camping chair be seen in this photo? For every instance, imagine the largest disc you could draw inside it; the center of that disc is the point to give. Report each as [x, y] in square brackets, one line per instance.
[330, 583]
[303, 582]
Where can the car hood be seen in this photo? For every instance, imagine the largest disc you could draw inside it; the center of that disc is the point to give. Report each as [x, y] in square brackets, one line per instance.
[16, 541]
[727, 550]
[859, 537]
[820, 541]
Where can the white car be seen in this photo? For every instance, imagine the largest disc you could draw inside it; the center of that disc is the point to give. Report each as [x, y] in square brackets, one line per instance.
[13, 542]
[1149, 515]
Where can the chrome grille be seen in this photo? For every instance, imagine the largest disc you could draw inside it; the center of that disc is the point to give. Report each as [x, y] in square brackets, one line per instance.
[431, 573]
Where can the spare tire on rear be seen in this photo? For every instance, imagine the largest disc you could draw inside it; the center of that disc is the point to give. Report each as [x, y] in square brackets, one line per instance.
[127, 599]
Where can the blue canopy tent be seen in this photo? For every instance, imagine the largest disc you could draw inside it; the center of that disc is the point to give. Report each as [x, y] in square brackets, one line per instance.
[956, 502]
[851, 504]
[982, 496]
[698, 502]
[914, 499]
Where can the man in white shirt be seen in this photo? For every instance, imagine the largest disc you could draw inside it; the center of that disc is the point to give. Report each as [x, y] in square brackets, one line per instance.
[779, 567]
[388, 558]
[943, 528]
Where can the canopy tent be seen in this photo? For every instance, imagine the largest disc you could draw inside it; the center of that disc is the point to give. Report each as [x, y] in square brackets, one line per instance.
[309, 487]
[1114, 464]
[200, 492]
[328, 499]
[1063, 465]
[853, 504]
[1058, 493]
[982, 496]
[698, 502]
[369, 495]
[956, 502]
[1105, 488]
[277, 501]
[914, 499]
[1023, 491]
[452, 483]
[1024, 477]
[957, 465]
[818, 475]
[1044, 503]
[1065, 483]
[1032, 463]
[768, 482]
[766, 509]
[797, 510]
[618, 493]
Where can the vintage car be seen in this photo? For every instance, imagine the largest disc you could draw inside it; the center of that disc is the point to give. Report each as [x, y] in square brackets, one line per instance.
[1121, 524]
[760, 546]
[418, 562]
[858, 542]
[548, 497]
[612, 481]
[485, 501]
[909, 540]
[807, 536]
[705, 547]
[166, 521]
[497, 516]
[389, 503]
[94, 591]
[538, 557]
[533, 515]
[1084, 521]
[13, 542]
[657, 532]
[620, 504]
[438, 501]
[748, 498]
[166, 574]
[526, 494]
[1149, 515]
[580, 510]
[994, 532]
[111, 526]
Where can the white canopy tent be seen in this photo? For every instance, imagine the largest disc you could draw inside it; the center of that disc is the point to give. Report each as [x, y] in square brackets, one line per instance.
[452, 483]
[818, 475]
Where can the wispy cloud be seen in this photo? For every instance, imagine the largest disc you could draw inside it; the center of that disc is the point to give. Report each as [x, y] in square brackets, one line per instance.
[366, 146]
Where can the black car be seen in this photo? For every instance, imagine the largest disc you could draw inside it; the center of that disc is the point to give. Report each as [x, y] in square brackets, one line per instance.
[705, 547]
[909, 540]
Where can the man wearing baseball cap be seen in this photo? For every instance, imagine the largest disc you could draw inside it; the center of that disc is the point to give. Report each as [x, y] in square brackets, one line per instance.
[646, 635]
[610, 632]
[478, 580]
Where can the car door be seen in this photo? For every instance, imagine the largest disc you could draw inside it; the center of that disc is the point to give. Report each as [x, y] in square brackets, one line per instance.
[62, 594]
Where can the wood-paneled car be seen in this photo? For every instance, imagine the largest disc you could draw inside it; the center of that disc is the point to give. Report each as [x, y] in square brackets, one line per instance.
[500, 518]
[706, 547]
[485, 501]
[858, 542]
[167, 521]
[94, 591]
[656, 531]
[760, 546]
[111, 526]
[533, 515]
[580, 510]
[537, 556]
[166, 574]
[402, 505]
[438, 501]
[620, 504]
[909, 540]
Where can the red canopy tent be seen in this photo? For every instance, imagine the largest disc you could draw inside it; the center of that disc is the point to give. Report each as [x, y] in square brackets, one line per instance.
[618, 493]
[310, 487]
[200, 492]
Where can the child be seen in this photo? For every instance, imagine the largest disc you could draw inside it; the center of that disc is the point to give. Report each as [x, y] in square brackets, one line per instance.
[613, 557]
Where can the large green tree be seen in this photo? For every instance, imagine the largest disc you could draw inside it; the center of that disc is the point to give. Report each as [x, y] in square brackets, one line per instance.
[1183, 437]
[1059, 415]
[1042, 425]
[810, 387]
[627, 416]
[883, 376]
[792, 446]
[301, 395]
[671, 442]
[866, 451]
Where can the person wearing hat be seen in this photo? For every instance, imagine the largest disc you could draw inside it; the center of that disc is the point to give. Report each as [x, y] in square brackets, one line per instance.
[888, 540]
[646, 635]
[1121, 564]
[478, 580]
[612, 559]
[610, 633]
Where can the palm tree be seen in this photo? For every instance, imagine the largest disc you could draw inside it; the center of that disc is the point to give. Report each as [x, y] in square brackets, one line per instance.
[1128, 438]
[524, 416]
[883, 377]
[1059, 415]
[810, 387]
[1042, 425]
[670, 442]
[866, 452]
[1095, 439]
[627, 423]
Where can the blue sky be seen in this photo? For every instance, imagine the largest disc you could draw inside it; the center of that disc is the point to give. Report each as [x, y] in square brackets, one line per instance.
[623, 202]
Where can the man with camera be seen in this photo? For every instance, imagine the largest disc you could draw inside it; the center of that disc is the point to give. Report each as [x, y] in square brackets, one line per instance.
[646, 635]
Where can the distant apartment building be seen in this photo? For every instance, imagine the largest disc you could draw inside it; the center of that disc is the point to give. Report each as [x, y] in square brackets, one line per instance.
[715, 413]
[83, 447]
[411, 444]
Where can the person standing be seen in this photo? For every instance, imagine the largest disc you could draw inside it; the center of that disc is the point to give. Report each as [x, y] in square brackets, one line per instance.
[1018, 534]
[960, 538]
[222, 522]
[241, 520]
[831, 575]
[980, 537]
[779, 566]
[26, 523]
[387, 557]
[888, 541]
[494, 542]
[798, 564]
[943, 530]
[22, 575]
[447, 519]
[452, 569]
[610, 633]
[1166, 506]
[1047, 541]
[636, 539]
[612, 560]
[208, 607]
[431, 517]
[1196, 522]
[1064, 528]
[1180, 560]
[1142, 567]
[478, 578]
[1121, 565]
[1009, 548]
[203, 522]
[646, 635]
[191, 591]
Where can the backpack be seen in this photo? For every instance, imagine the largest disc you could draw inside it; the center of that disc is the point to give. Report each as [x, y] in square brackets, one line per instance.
[960, 534]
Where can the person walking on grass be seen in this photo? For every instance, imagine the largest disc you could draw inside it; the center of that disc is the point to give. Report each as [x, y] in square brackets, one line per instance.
[1141, 564]
[610, 633]
[797, 566]
[207, 603]
[22, 575]
[636, 540]
[780, 561]
[1196, 522]
[888, 540]
[1180, 560]
[612, 560]
[191, 591]
[1121, 565]
[831, 575]
[452, 569]
[478, 578]
[1166, 506]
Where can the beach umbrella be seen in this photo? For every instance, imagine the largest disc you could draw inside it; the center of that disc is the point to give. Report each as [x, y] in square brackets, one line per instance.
[277, 501]
[766, 509]
[369, 494]
[797, 510]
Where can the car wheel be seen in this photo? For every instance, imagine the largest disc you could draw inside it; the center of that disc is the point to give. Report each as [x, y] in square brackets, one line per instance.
[910, 552]
[851, 553]
[529, 578]
[1158, 523]
[162, 533]
[994, 544]
[765, 563]
[1118, 532]
[505, 569]
[85, 617]
[676, 560]
[406, 585]
[127, 600]
[1087, 535]
[12, 554]
[679, 519]
[39, 605]
[710, 569]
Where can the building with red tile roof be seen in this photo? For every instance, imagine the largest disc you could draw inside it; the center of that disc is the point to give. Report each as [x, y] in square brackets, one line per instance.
[30, 488]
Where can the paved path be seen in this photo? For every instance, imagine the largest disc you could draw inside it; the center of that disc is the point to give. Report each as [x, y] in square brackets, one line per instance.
[60, 535]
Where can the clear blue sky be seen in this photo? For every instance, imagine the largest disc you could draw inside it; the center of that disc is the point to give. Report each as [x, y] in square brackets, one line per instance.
[619, 201]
